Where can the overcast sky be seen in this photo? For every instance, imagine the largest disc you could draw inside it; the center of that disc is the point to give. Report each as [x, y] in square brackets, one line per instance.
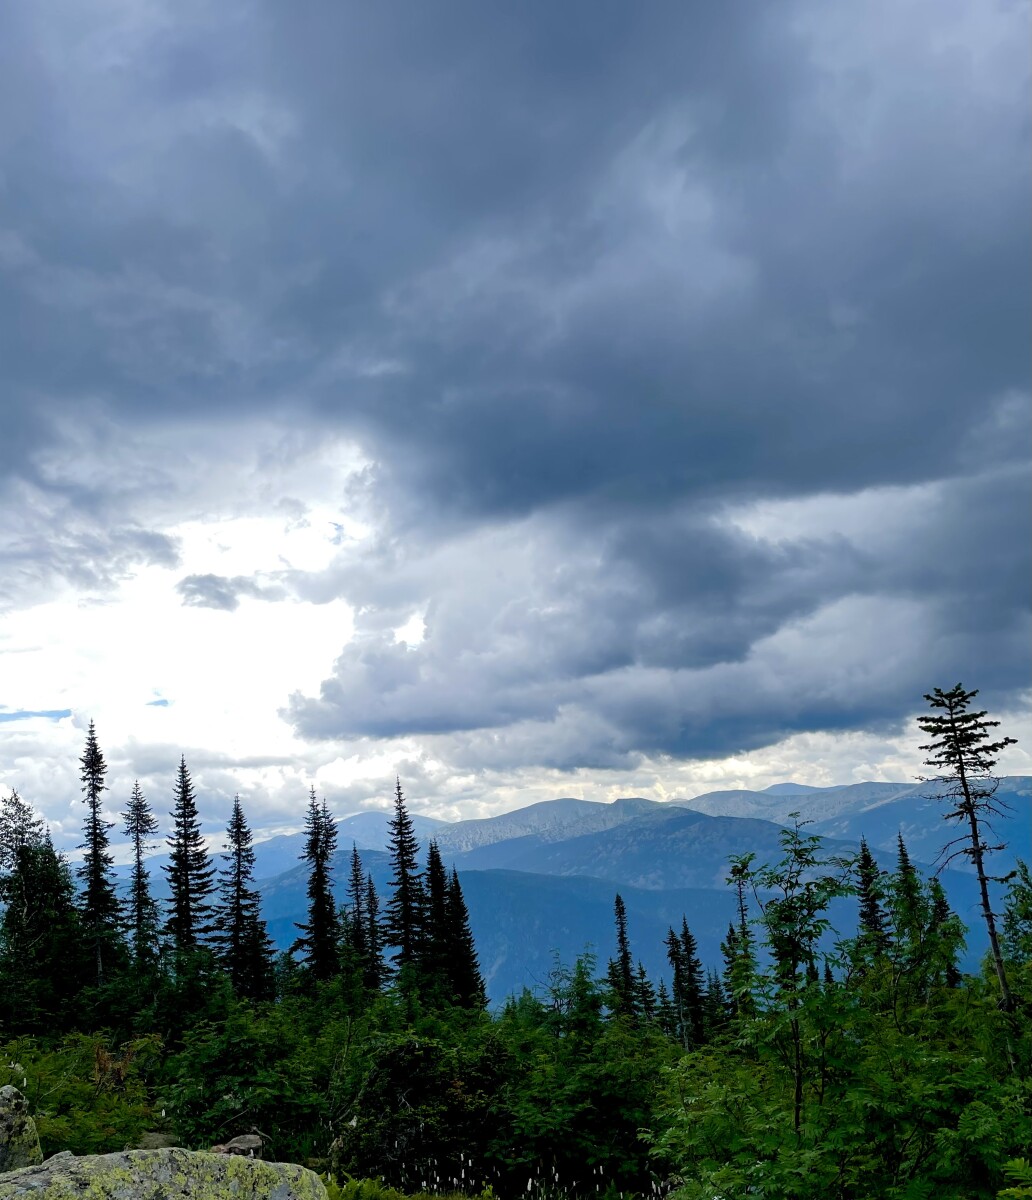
[528, 399]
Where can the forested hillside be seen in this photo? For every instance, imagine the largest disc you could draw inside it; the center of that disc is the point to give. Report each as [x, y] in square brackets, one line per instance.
[829, 1043]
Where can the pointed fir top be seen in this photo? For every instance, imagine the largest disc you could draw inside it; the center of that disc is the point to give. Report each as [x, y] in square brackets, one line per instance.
[94, 768]
[961, 738]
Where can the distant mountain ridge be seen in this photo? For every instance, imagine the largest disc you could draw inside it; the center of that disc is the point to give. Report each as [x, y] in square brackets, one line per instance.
[548, 821]
[541, 880]
[775, 804]
[876, 811]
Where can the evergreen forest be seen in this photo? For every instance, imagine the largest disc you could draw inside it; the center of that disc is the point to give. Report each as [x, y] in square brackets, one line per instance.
[809, 1062]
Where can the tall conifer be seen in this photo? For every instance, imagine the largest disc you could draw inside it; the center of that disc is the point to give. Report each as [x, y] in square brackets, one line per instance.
[240, 939]
[321, 933]
[666, 1015]
[405, 914]
[357, 925]
[644, 993]
[620, 974]
[190, 871]
[140, 824]
[740, 947]
[436, 950]
[908, 907]
[99, 903]
[946, 936]
[377, 969]
[872, 940]
[688, 991]
[964, 758]
[467, 982]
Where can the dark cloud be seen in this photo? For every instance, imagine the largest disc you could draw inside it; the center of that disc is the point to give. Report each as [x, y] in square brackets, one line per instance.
[675, 635]
[586, 283]
[224, 592]
[48, 542]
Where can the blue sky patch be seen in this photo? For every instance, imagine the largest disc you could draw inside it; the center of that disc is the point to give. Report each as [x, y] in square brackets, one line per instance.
[22, 714]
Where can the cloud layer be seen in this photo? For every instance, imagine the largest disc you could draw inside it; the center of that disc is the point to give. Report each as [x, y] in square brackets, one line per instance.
[663, 371]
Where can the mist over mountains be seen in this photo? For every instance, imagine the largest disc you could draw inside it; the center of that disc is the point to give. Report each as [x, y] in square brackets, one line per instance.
[540, 881]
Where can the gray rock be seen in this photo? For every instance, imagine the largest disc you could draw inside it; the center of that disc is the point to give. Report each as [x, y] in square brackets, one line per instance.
[154, 1139]
[162, 1175]
[19, 1141]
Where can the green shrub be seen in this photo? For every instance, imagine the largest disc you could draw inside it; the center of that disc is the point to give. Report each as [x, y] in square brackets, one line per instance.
[85, 1094]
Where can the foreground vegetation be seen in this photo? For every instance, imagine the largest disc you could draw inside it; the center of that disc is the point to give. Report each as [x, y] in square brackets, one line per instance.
[811, 1062]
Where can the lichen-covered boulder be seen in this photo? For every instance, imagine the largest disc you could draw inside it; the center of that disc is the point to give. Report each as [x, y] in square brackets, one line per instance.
[161, 1175]
[19, 1142]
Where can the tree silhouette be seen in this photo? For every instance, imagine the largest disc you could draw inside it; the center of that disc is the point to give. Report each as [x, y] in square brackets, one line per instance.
[240, 938]
[377, 970]
[872, 939]
[99, 903]
[437, 948]
[688, 984]
[321, 932]
[139, 824]
[964, 759]
[404, 917]
[466, 979]
[620, 974]
[190, 872]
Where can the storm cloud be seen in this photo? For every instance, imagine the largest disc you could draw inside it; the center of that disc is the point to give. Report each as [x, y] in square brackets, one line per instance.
[680, 352]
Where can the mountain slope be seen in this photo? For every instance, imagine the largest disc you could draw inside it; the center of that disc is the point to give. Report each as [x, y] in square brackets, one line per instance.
[687, 849]
[548, 821]
[918, 814]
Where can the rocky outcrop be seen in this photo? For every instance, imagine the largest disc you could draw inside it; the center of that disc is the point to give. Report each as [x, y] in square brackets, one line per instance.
[161, 1175]
[19, 1142]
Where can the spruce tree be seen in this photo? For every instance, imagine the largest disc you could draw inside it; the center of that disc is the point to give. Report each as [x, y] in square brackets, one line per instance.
[946, 935]
[377, 970]
[99, 903]
[437, 950]
[356, 933]
[190, 872]
[909, 918]
[740, 947]
[714, 1004]
[666, 1014]
[321, 932]
[872, 941]
[964, 759]
[241, 942]
[644, 993]
[140, 824]
[405, 914]
[907, 905]
[357, 901]
[688, 990]
[729, 952]
[675, 956]
[620, 974]
[467, 982]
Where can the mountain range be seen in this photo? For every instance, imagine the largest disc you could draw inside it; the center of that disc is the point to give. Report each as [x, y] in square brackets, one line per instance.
[540, 881]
